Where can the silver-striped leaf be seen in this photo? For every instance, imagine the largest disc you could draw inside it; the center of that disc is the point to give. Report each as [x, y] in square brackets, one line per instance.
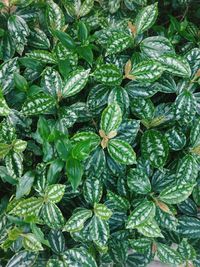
[54, 193]
[111, 118]
[176, 193]
[121, 152]
[156, 46]
[52, 216]
[19, 31]
[138, 181]
[146, 18]
[75, 82]
[76, 221]
[38, 104]
[142, 213]
[154, 148]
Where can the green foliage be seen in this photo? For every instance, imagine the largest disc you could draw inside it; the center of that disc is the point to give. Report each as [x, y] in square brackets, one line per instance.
[99, 133]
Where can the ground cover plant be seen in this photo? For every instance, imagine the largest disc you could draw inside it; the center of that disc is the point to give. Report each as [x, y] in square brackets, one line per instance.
[99, 133]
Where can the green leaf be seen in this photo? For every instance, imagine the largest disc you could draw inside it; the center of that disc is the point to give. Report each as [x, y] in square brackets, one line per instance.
[83, 144]
[146, 18]
[75, 82]
[185, 107]
[175, 65]
[27, 258]
[102, 211]
[28, 207]
[77, 220]
[74, 171]
[146, 71]
[19, 32]
[20, 82]
[38, 104]
[54, 16]
[54, 171]
[121, 152]
[108, 74]
[30, 243]
[117, 42]
[42, 56]
[82, 31]
[111, 118]
[86, 53]
[156, 46]
[143, 213]
[39, 234]
[168, 255]
[92, 190]
[52, 216]
[138, 181]
[66, 40]
[54, 193]
[176, 193]
[150, 229]
[25, 184]
[154, 148]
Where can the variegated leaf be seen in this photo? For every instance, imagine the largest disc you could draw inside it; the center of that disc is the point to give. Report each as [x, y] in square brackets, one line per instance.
[52, 216]
[175, 65]
[146, 71]
[54, 16]
[102, 211]
[156, 46]
[108, 74]
[75, 82]
[28, 207]
[154, 148]
[150, 229]
[143, 213]
[77, 220]
[54, 193]
[176, 193]
[121, 152]
[30, 243]
[111, 118]
[19, 32]
[146, 18]
[38, 104]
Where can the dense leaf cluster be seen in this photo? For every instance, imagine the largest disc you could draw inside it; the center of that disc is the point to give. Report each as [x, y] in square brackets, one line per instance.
[99, 133]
